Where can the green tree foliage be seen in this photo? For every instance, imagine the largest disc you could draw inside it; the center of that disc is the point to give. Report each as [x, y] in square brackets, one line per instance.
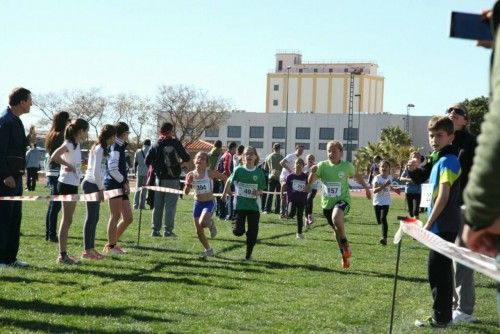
[395, 145]
[476, 108]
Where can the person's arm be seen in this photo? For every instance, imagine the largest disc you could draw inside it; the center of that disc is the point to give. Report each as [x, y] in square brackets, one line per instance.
[188, 184]
[362, 181]
[227, 164]
[136, 162]
[284, 164]
[96, 167]
[312, 175]
[185, 157]
[439, 205]
[215, 175]
[150, 157]
[377, 188]
[421, 174]
[484, 240]
[113, 166]
[57, 158]
[227, 189]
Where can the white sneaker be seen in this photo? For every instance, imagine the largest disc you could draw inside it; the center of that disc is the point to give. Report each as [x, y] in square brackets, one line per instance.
[19, 264]
[459, 316]
[213, 230]
[300, 235]
[208, 252]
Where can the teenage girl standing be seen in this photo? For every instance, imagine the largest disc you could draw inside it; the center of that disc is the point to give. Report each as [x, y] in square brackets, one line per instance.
[201, 181]
[249, 182]
[92, 183]
[69, 157]
[116, 178]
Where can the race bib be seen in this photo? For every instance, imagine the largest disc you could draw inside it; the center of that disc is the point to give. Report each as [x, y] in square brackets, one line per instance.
[201, 186]
[298, 185]
[246, 190]
[332, 189]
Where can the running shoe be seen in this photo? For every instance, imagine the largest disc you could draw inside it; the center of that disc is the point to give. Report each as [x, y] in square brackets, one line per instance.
[383, 241]
[66, 259]
[346, 250]
[207, 253]
[116, 250]
[92, 255]
[213, 230]
[431, 322]
[300, 236]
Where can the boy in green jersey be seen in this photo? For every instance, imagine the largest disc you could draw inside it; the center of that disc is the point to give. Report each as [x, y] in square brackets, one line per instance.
[335, 200]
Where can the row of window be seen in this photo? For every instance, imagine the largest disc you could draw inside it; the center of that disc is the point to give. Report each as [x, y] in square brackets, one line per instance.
[307, 146]
[234, 131]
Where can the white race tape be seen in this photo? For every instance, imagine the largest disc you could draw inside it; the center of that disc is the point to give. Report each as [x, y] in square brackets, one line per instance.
[479, 262]
[92, 197]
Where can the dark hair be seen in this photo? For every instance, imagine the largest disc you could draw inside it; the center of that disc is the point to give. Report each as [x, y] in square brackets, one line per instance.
[240, 149]
[107, 131]
[18, 95]
[218, 144]
[383, 162]
[59, 122]
[121, 128]
[73, 128]
[166, 127]
[377, 157]
[147, 142]
[300, 161]
[437, 123]
[232, 145]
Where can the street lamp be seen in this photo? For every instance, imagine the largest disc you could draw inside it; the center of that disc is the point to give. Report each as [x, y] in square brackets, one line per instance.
[359, 116]
[286, 112]
[407, 120]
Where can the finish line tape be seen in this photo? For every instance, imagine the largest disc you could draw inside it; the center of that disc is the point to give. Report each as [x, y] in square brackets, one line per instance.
[479, 262]
[92, 197]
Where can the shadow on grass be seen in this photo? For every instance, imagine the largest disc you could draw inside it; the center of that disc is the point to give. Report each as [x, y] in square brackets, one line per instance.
[17, 279]
[59, 309]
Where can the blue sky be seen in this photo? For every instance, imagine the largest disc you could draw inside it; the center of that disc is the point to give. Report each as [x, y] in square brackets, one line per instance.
[228, 47]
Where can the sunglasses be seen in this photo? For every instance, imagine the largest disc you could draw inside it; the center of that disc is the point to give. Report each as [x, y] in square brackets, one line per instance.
[457, 111]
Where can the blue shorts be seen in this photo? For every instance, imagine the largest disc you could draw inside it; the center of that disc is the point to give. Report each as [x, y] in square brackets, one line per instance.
[200, 207]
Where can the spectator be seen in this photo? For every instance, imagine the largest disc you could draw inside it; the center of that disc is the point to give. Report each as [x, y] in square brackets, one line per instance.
[273, 167]
[33, 157]
[166, 156]
[141, 172]
[13, 143]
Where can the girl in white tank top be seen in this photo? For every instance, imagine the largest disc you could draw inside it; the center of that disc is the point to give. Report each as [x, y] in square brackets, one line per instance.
[200, 180]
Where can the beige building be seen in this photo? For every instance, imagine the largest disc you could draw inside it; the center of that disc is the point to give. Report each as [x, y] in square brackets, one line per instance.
[323, 88]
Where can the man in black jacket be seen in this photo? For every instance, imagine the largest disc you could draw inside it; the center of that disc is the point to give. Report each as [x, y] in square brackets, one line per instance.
[13, 144]
[166, 156]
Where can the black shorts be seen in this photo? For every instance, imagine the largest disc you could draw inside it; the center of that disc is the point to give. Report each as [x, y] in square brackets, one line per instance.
[124, 197]
[66, 189]
[342, 205]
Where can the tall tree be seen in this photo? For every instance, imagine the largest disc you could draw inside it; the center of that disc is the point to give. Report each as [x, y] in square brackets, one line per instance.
[190, 111]
[476, 108]
[89, 105]
[134, 111]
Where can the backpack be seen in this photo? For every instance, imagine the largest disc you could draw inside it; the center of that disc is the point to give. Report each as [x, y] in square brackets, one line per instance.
[168, 162]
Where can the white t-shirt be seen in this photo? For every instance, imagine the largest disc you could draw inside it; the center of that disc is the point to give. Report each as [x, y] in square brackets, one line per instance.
[383, 197]
[290, 163]
[96, 167]
[74, 157]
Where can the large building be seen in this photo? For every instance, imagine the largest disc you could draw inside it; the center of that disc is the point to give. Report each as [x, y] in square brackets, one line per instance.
[261, 130]
[323, 88]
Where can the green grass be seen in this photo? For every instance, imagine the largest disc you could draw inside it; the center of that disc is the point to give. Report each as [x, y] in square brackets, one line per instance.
[163, 286]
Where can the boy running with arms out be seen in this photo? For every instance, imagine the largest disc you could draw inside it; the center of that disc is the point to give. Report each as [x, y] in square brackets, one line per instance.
[335, 199]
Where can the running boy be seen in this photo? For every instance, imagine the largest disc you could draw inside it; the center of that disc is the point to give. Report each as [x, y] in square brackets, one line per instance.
[201, 181]
[444, 216]
[382, 184]
[249, 182]
[335, 199]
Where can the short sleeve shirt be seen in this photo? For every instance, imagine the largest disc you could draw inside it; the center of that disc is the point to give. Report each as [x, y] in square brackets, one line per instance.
[382, 197]
[245, 181]
[335, 182]
[74, 157]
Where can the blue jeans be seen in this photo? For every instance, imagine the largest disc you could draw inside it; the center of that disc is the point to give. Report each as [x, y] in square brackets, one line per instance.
[92, 217]
[165, 202]
[53, 211]
[141, 181]
[10, 222]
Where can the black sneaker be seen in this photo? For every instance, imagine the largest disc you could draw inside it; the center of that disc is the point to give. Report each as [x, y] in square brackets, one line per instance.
[155, 234]
[431, 322]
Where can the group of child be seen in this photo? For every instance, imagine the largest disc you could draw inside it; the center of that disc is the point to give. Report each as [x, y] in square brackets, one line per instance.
[106, 171]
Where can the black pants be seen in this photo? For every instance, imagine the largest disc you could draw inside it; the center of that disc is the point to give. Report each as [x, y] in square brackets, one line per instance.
[299, 209]
[413, 202]
[252, 218]
[310, 201]
[10, 222]
[381, 212]
[31, 178]
[440, 273]
[52, 211]
[220, 209]
[274, 186]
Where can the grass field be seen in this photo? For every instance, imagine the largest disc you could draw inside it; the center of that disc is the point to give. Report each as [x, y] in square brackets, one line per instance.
[163, 286]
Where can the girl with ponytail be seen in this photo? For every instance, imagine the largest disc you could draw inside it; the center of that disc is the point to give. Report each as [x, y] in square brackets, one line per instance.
[69, 156]
[93, 182]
